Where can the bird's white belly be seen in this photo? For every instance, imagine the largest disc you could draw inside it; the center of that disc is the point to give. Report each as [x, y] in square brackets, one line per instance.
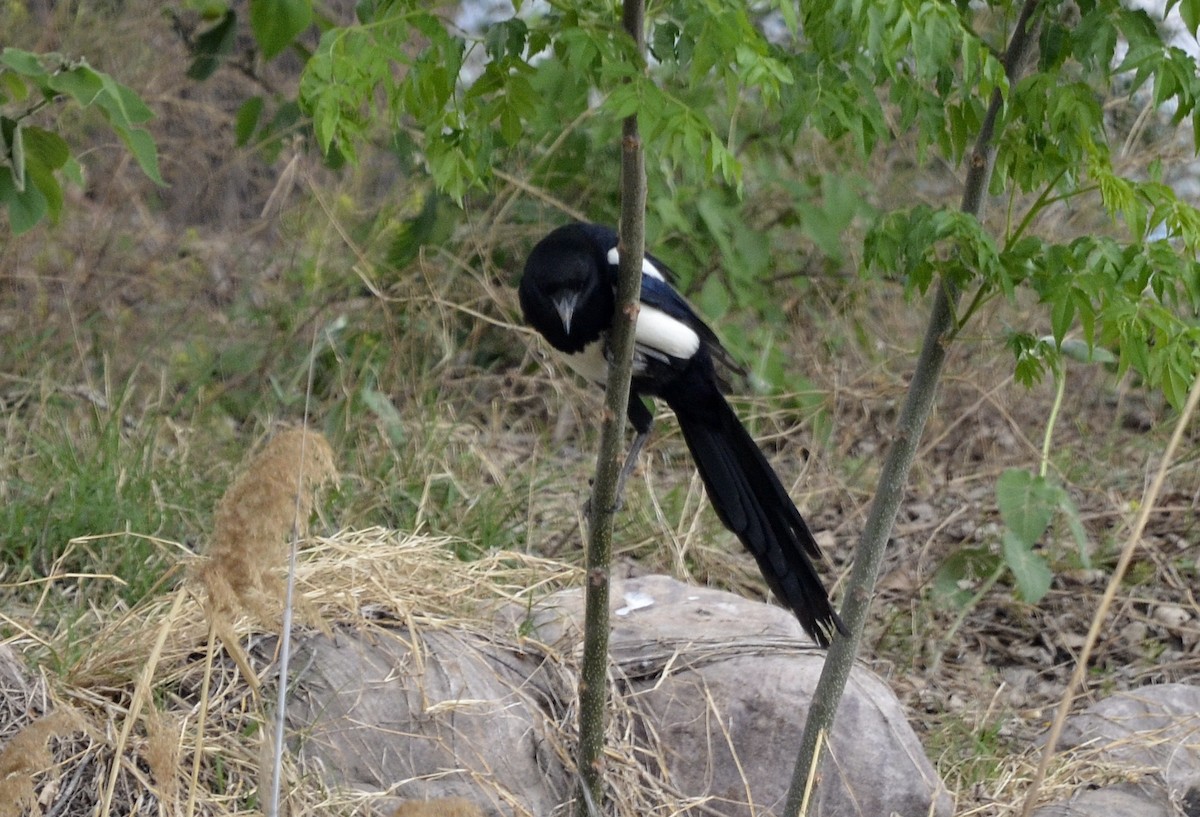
[590, 363]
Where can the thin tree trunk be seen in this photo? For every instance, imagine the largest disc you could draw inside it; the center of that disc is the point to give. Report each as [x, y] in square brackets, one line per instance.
[888, 496]
[594, 673]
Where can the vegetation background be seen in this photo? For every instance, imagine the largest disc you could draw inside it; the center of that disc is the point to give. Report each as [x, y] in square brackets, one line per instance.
[156, 332]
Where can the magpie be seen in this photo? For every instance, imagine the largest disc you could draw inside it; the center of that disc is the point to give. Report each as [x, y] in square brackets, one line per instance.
[568, 294]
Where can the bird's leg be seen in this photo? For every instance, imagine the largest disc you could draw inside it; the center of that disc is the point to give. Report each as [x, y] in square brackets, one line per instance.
[630, 464]
[642, 421]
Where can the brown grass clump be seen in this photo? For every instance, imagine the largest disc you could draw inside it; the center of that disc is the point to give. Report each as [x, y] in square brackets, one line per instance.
[28, 753]
[267, 505]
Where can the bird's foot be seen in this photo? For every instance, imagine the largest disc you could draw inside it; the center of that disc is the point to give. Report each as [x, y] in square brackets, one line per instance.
[617, 506]
[626, 470]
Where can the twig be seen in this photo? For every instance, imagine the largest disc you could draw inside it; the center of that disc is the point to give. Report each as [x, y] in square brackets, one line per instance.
[201, 721]
[285, 636]
[1110, 593]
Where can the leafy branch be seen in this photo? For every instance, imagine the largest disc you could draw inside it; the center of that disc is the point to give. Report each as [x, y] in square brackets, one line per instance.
[33, 157]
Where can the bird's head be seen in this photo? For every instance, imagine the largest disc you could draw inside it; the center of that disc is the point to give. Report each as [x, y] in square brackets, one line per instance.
[566, 293]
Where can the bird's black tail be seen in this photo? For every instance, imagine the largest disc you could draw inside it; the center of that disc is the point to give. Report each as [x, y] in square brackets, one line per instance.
[752, 503]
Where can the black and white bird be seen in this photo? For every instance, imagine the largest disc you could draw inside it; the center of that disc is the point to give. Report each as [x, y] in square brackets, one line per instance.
[568, 293]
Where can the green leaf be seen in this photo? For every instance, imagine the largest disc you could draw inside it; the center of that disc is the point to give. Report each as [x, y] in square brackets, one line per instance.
[662, 41]
[46, 147]
[246, 119]
[506, 39]
[276, 23]
[1075, 524]
[45, 153]
[623, 101]
[1189, 10]
[212, 45]
[1054, 46]
[73, 171]
[12, 150]
[954, 582]
[386, 413]
[1027, 504]
[25, 63]
[81, 83]
[433, 226]
[1030, 570]
[142, 146]
[714, 300]
[124, 107]
[451, 171]
[25, 208]
[13, 87]
[43, 178]
[1062, 314]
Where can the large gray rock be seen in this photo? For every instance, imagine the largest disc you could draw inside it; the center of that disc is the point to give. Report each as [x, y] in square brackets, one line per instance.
[1155, 733]
[444, 714]
[1142, 799]
[1154, 727]
[710, 694]
[721, 686]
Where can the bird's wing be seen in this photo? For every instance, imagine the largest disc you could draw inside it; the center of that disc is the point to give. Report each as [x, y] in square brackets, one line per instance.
[660, 295]
[662, 334]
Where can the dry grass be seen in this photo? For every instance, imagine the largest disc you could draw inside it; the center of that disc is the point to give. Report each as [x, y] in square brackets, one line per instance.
[26, 754]
[214, 766]
[445, 807]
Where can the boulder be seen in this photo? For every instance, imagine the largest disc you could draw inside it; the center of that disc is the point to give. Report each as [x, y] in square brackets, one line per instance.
[721, 686]
[1142, 799]
[1155, 728]
[708, 701]
[1153, 731]
[443, 714]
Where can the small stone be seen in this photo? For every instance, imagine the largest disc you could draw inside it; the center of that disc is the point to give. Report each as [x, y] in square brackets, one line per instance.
[1134, 632]
[921, 512]
[1171, 616]
[1085, 577]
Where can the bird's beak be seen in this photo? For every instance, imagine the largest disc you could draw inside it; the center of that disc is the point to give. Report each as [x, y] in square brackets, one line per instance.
[566, 309]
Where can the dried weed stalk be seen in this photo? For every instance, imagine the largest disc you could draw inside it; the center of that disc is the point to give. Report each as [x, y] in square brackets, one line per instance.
[269, 503]
[163, 753]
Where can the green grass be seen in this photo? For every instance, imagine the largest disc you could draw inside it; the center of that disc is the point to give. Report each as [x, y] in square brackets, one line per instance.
[86, 482]
[969, 753]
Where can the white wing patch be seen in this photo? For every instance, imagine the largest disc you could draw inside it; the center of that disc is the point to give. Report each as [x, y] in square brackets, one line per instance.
[648, 267]
[657, 336]
[658, 331]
